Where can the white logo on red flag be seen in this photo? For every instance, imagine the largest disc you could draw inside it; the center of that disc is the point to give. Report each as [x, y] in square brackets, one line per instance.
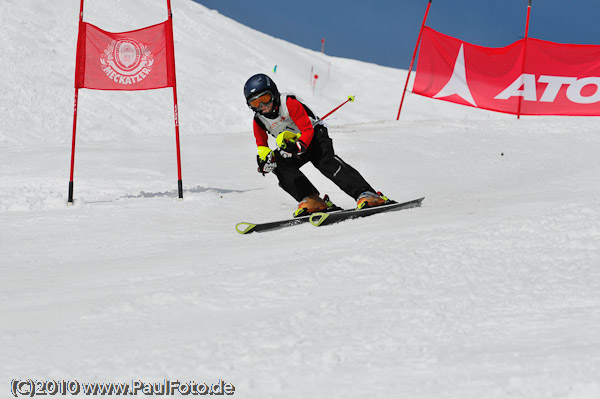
[539, 78]
[126, 61]
[458, 81]
[136, 60]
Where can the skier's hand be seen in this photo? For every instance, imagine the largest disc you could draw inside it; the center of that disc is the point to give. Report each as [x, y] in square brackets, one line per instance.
[266, 160]
[293, 149]
[290, 144]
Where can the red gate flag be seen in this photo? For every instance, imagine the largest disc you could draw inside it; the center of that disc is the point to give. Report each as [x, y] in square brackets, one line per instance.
[137, 60]
[142, 59]
[552, 79]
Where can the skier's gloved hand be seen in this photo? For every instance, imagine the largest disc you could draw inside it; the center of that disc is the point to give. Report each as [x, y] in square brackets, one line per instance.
[266, 160]
[295, 149]
[290, 145]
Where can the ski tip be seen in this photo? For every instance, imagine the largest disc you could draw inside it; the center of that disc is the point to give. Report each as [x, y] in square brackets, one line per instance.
[244, 228]
[316, 219]
[416, 203]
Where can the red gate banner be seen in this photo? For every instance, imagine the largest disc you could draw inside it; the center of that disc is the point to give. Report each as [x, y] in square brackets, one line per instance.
[142, 59]
[137, 60]
[546, 78]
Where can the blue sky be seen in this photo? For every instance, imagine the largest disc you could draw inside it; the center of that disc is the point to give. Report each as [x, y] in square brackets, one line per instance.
[385, 31]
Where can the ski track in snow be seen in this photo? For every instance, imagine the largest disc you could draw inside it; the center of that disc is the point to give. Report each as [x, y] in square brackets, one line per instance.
[490, 290]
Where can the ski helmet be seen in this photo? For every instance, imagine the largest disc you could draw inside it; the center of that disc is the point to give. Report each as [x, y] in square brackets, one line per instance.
[261, 83]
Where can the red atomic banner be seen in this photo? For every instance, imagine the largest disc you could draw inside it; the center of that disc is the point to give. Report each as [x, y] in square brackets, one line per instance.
[137, 60]
[528, 77]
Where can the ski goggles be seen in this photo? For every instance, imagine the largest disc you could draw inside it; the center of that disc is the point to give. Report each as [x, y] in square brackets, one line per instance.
[265, 99]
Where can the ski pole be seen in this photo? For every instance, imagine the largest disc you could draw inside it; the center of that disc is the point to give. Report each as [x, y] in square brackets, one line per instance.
[350, 99]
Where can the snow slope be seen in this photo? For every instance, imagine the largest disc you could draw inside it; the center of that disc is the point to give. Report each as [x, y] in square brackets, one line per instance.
[490, 290]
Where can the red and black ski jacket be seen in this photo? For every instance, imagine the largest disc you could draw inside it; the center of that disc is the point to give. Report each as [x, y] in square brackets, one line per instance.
[291, 115]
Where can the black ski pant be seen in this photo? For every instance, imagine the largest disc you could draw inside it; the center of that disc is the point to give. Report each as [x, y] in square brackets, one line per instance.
[320, 153]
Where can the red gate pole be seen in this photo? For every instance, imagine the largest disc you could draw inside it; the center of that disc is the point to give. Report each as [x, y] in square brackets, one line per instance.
[175, 105]
[70, 200]
[413, 59]
[524, 54]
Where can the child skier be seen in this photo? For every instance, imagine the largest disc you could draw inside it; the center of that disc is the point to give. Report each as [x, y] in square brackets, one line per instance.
[300, 137]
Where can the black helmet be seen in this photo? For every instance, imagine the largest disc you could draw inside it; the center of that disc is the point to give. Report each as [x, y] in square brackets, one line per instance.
[260, 83]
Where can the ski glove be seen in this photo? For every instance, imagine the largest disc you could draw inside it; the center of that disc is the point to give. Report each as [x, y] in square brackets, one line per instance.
[266, 160]
[290, 144]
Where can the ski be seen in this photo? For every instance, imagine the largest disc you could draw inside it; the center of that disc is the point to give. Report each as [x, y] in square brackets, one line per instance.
[334, 215]
[247, 228]
[327, 218]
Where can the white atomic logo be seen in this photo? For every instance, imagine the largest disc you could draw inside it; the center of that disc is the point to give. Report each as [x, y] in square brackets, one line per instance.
[458, 81]
[126, 61]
